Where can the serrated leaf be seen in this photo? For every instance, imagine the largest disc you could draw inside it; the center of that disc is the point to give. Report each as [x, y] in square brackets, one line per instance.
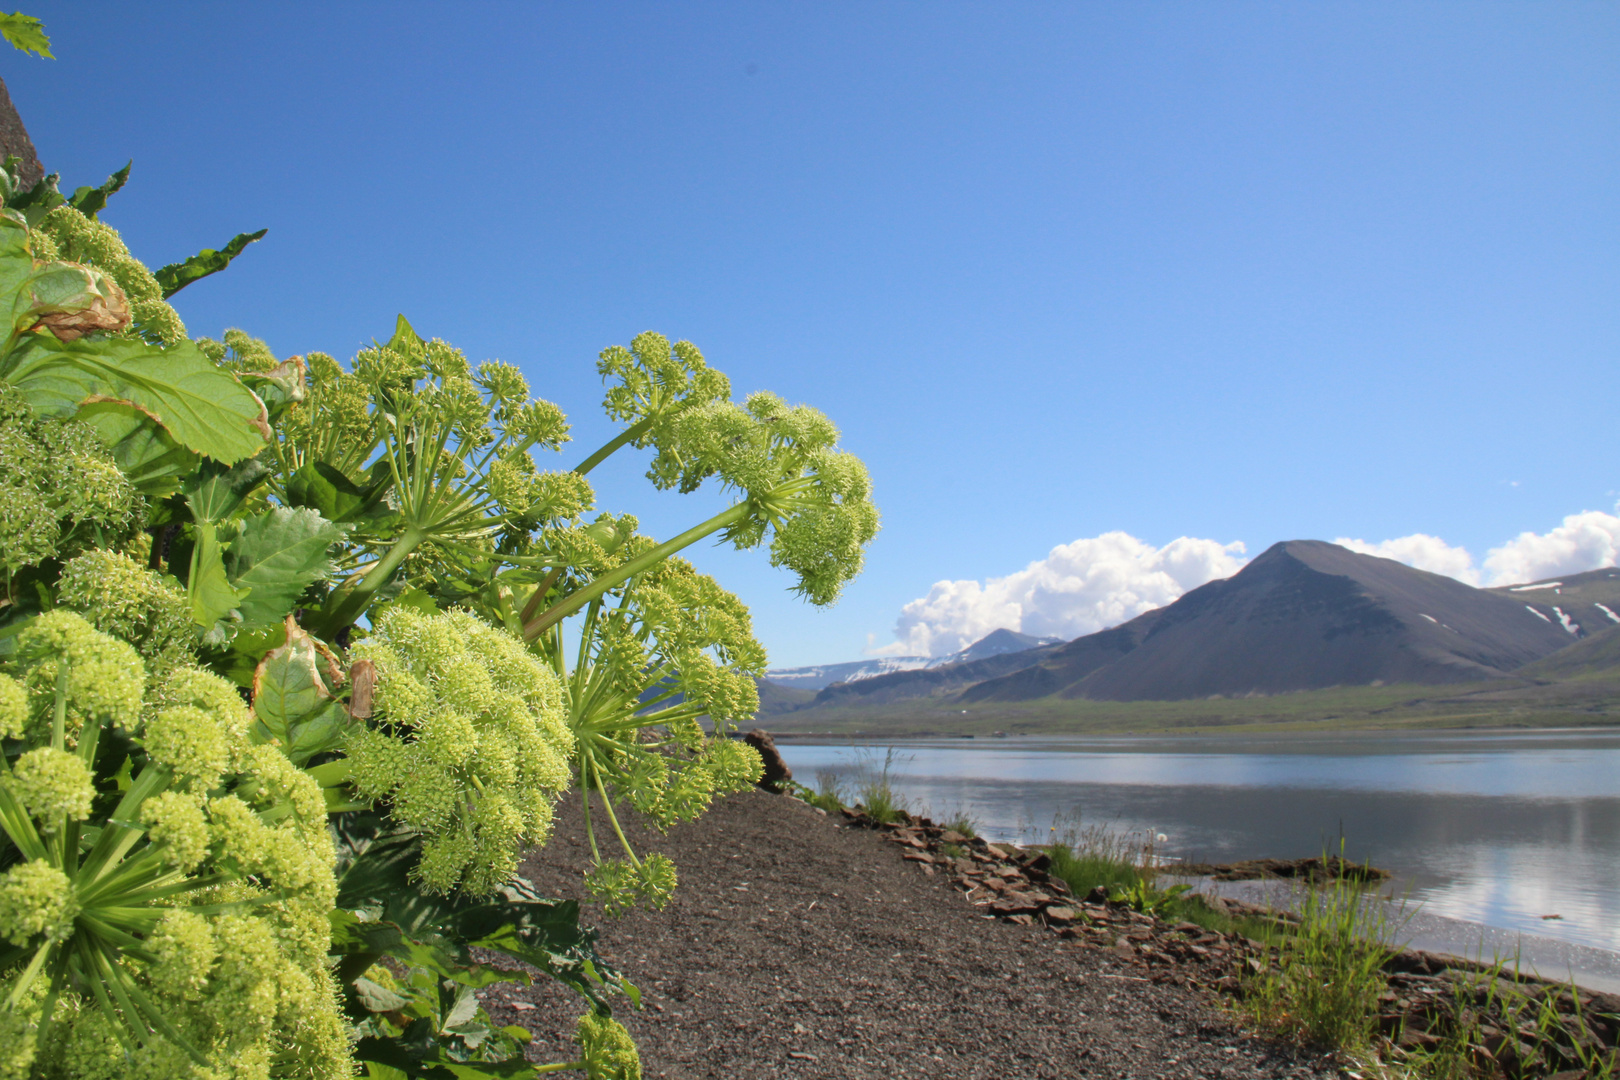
[26, 33]
[90, 201]
[462, 1011]
[277, 555]
[202, 406]
[323, 487]
[177, 276]
[211, 593]
[147, 456]
[215, 491]
[378, 998]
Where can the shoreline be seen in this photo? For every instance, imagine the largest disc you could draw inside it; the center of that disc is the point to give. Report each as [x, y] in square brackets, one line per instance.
[1430, 998]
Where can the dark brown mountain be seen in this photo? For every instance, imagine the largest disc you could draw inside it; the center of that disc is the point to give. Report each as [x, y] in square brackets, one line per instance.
[1304, 615]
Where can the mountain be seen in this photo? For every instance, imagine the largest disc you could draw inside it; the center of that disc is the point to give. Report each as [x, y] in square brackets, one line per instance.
[1593, 657]
[1589, 602]
[1305, 615]
[820, 676]
[817, 676]
[927, 682]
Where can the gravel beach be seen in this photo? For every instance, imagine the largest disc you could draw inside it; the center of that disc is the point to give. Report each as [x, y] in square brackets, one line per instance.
[796, 947]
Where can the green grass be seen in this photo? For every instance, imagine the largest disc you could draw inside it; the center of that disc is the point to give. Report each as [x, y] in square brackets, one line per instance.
[1099, 856]
[962, 822]
[875, 791]
[1325, 985]
[1480, 1006]
[830, 792]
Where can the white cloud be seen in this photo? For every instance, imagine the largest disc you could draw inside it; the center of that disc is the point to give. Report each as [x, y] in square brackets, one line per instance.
[1422, 551]
[1586, 541]
[1079, 588]
[1092, 584]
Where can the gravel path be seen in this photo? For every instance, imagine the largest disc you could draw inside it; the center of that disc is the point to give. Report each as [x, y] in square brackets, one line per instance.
[795, 947]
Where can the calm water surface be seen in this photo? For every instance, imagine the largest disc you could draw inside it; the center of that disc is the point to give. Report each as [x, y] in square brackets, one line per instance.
[1494, 828]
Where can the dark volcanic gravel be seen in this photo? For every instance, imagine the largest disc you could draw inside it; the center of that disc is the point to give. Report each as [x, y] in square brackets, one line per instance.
[796, 947]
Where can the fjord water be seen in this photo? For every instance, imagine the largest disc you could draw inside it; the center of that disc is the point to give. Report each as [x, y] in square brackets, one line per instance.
[1497, 828]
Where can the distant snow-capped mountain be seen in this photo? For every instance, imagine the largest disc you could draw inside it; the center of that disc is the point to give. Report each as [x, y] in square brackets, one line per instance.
[821, 676]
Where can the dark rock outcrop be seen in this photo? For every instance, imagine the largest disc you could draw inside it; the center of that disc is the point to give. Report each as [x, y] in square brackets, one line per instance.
[777, 773]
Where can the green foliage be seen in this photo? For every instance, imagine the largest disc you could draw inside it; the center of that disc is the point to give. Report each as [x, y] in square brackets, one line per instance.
[875, 790]
[208, 869]
[1087, 858]
[176, 276]
[373, 552]
[1324, 987]
[26, 33]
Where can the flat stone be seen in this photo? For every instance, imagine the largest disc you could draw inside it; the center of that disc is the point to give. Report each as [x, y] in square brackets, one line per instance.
[1060, 914]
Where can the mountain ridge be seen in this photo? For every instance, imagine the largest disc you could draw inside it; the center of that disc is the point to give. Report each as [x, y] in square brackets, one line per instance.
[1302, 615]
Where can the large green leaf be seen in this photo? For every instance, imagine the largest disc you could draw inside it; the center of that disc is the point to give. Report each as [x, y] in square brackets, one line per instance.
[374, 864]
[215, 491]
[277, 555]
[211, 593]
[202, 406]
[291, 701]
[177, 276]
[324, 488]
[147, 456]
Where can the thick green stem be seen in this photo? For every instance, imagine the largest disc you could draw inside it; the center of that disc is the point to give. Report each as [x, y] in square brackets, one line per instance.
[628, 435]
[351, 605]
[646, 560]
[539, 595]
[561, 1066]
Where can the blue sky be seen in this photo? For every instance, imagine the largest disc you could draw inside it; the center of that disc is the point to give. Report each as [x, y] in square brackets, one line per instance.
[1232, 272]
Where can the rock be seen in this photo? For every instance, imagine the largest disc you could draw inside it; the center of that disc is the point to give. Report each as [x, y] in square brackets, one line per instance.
[14, 140]
[777, 772]
[951, 836]
[1098, 895]
[1060, 914]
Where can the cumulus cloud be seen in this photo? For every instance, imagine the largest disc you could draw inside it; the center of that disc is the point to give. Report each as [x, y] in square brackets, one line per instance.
[1585, 541]
[1422, 551]
[1079, 588]
[1092, 584]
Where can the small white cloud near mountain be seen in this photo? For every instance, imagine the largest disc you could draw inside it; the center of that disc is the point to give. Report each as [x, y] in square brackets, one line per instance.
[1079, 588]
[1422, 551]
[1102, 581]
[1589, 540]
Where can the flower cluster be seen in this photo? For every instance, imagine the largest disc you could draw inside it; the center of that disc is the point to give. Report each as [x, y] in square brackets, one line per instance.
[69, 235]
[470, 747]
[211, 910]
[60, 490]
[815, 499]
[99, 678]
[122, 598]
[606, 1049]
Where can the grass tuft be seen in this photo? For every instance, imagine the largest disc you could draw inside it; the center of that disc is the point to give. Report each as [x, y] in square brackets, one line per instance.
[1325, 985]
[878, 798]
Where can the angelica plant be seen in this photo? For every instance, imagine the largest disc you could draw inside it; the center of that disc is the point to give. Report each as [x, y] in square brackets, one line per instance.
[468, 744]
[164, 907]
